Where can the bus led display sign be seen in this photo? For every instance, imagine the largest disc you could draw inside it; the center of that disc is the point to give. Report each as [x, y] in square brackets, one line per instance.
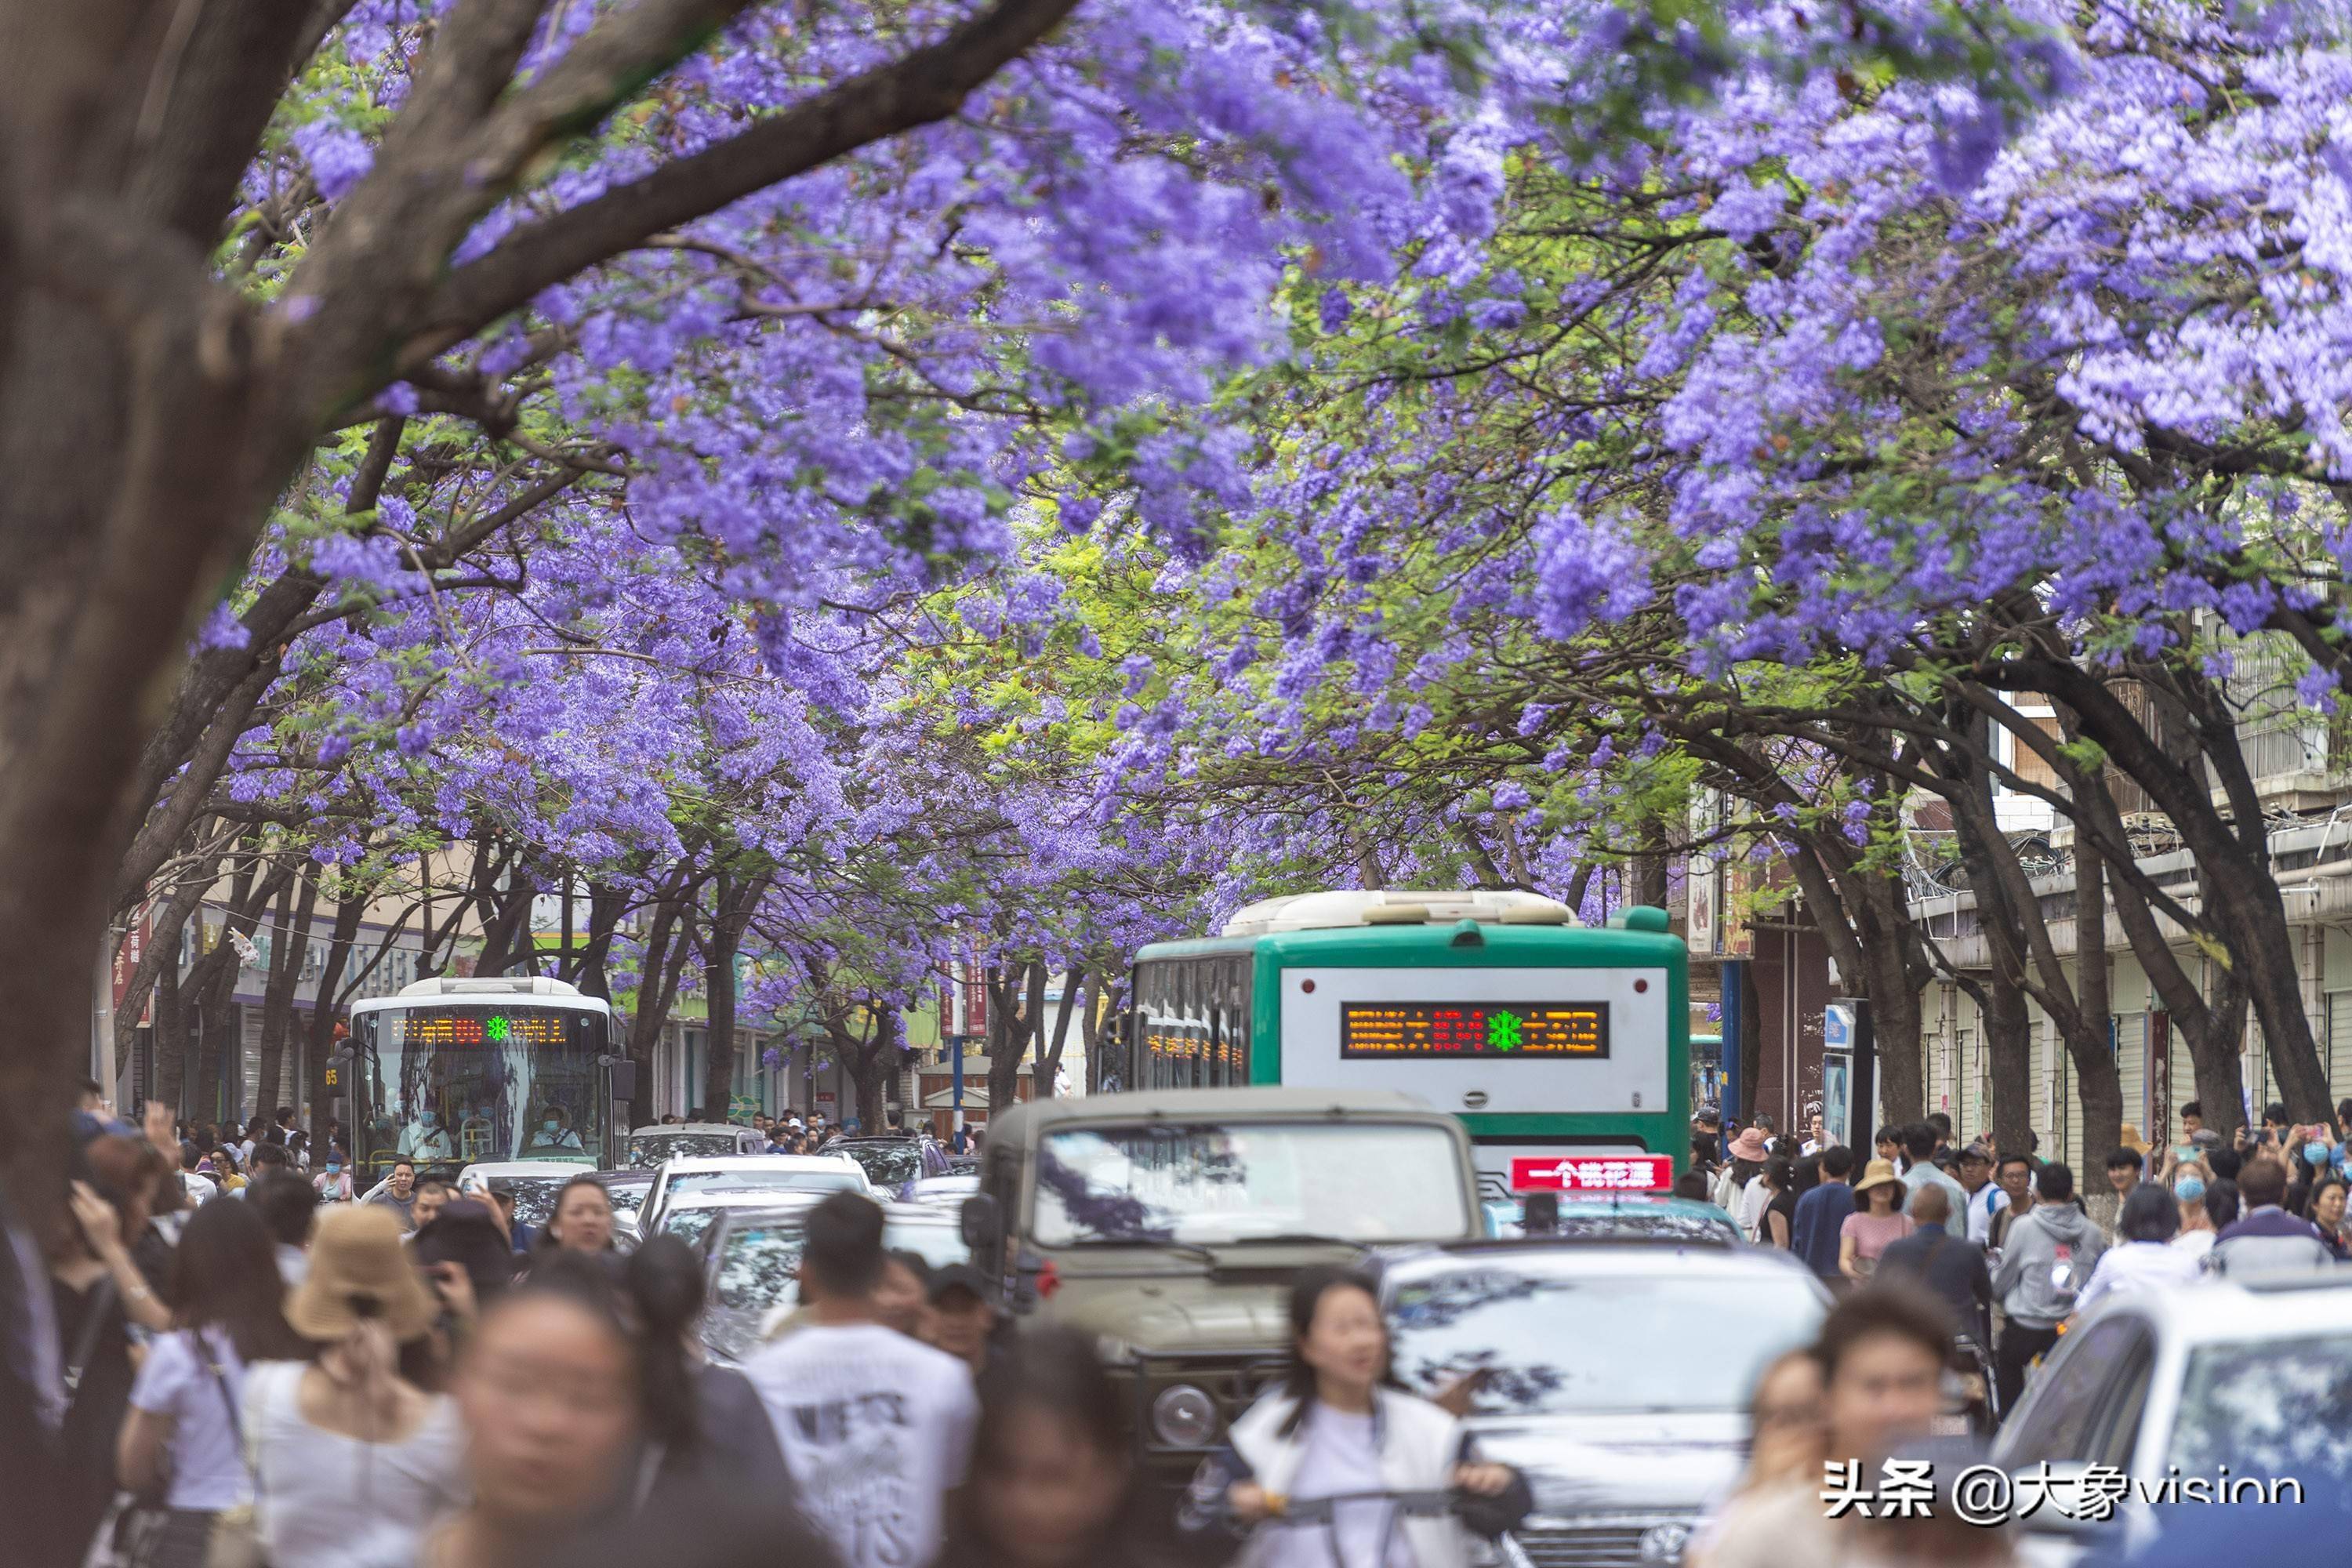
[1488, 1030]
[477, 1028]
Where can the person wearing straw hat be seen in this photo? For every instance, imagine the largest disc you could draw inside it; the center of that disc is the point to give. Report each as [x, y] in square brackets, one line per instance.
[352, 1459]
[1876, 1223]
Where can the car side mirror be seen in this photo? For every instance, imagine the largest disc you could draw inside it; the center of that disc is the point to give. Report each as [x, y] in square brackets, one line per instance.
[983, 1227]
[624, 1079]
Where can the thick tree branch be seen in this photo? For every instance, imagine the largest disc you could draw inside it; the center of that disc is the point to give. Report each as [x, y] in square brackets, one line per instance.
[926, 85]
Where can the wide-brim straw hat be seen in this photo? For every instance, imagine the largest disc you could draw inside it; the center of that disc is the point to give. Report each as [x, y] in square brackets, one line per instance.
[1878, 1172]
[359, 1271]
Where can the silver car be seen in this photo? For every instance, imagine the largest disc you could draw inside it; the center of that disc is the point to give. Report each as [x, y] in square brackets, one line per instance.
[1614, 1374]
[2250, 1379]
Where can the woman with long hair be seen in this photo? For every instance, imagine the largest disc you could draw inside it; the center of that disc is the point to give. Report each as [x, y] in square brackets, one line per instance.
[353, 1455]
[105, 1275]
[1340, 1425]
[184, 1420]
[705, 1428]
[1052, 1481]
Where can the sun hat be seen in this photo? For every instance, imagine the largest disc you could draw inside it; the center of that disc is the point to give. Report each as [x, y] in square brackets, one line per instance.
[1749, 1145]
[358, 1270]
[1876, 1174]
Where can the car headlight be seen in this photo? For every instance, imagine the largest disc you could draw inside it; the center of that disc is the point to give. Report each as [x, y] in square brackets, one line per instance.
[1184, 1416]
[1665, 1543]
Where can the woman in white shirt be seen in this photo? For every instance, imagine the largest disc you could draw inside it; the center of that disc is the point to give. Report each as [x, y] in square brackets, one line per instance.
[184, 1407]
[2150, 1219]
[353, 1460]
[1339, 1425]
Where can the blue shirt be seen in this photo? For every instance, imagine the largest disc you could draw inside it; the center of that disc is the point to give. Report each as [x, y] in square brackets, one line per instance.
[1819, 1214]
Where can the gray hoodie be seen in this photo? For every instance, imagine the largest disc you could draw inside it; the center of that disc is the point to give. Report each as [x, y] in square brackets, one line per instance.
[2027, 1294]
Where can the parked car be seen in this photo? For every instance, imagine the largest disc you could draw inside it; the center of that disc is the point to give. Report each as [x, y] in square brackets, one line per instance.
[889, 1162]
[627, 1190]
[650, 1146]
[1615, 1374]
[946, 1192]
[752, 1252]
[2253, 1374]
[1631, 1216]
[745, 1173]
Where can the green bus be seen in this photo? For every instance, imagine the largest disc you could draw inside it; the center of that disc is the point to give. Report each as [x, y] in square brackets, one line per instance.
[1564, 1048]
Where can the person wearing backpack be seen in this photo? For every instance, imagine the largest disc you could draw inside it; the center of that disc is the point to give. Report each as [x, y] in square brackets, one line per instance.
[183, 1439]
[2048, 1256]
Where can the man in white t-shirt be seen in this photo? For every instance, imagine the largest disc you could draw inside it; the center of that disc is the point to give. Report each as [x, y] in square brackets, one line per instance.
[876, 1428]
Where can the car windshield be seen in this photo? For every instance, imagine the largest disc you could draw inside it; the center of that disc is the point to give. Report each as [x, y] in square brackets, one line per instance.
[888, 1165]
[1202, 1183]
[758, 1270]
[534, 1196]
[2273, 1407]
[689, 1226]
[469, 1083]
[753, 1179]
[647, 1149]
[1545, 1343]
[628, 1196]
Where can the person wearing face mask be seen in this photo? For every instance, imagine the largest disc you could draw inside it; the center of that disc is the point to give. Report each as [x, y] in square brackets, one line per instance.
[553, 1135]
[2195, 1236]
[425, 1140]
[333, 1183]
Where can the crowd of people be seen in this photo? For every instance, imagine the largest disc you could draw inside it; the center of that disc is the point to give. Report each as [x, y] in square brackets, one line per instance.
[258, 1378]
[2007, 1241]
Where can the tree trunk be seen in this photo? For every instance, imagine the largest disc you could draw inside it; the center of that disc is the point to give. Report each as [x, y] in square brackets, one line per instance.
[2008, 1049]
[1049, 1057]
[1895, 1011]
[734, 902]
[663, 960]
[163, 948]
[1090, 1029]
[1751, 1041]
[171, 1022]
[718, 998]
[2098, 1082]
[349, 912]
[2232, 853]
[1016, 998]
[286, 954]
[586, 968]
[877, 1058]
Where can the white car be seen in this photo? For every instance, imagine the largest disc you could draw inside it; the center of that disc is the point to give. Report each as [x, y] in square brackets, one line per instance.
[941, 1192]
[691, 1216]
[770, 1174]
[652, 1144]
[2157, 1384]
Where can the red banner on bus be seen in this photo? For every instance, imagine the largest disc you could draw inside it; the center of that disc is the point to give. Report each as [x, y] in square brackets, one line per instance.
[1594, 1173]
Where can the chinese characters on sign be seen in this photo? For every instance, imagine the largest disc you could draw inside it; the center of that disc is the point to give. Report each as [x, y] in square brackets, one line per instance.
[1594, 1173]
[1485, 1029]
